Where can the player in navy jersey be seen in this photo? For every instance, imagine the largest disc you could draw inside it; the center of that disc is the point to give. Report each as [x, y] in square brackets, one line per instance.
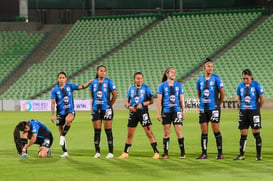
[251, 98]
[209, 86]
[170, 109]
[37, 132]
[102, 110]
[62, 97]
[139, 96]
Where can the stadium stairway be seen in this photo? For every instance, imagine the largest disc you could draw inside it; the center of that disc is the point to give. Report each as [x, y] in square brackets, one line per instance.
[53, 35]
[233, 42]
[119, 47]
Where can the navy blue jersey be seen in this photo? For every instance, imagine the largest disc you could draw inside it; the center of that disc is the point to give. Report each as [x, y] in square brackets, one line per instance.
[209, 90]
[249, 95]
[37, 127]
[64, 98]
[139, 95]
[101, 93]
[170, 96]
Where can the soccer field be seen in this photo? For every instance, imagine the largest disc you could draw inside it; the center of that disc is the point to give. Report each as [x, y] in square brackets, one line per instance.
[140, 166]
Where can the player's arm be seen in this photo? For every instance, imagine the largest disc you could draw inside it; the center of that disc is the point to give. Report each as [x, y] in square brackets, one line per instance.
[159, 102]
[239, 100]
[182, 105]
[85, 85]
[31, 142]
[261, 100]
[114, 97]
[53, 118]
[222, 95]
[198, 94]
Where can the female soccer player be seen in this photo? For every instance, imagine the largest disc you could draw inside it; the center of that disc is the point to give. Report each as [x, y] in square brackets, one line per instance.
[170, 109]
[209, 86]
[37, 132]
[138, 98]
[102, 110]
[251, 98]
[62, 97]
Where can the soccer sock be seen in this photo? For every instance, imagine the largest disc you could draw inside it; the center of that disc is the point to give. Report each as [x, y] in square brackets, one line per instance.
[166, 142]
[154, 146]
[66, 128]
[218, 138]
[204, 143]
[243, 142]
[258, 143]
[97, 140]
[24, 142]
[181, 146]
[64, 147]
[127, 148]
[110, 139]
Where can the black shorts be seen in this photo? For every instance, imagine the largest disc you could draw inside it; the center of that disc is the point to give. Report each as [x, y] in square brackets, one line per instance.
[140, 116]
[107, 114]
[173, 117]
[206, 116]
[45, 142]
[60, 120]
[249, 118]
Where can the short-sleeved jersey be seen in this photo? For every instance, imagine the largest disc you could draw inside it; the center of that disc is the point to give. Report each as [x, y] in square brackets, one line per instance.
[37, 127]
[101, 93]
[170, 96]
[64, 98]
[139, 95]
[209, 89]
[249, 95]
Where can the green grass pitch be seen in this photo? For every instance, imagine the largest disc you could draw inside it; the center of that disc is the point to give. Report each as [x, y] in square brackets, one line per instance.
[140, 166]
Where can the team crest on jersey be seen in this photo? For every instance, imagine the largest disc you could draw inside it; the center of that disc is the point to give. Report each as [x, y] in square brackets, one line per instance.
[95, 85]
[142, 91]
[99, 94]
[166, 89]
[177, 88]
[252, 89]
[211, 83]
[68, 89]
[104, 85]
[58, 92]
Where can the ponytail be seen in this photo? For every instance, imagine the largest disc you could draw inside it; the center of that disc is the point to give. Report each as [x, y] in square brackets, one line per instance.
[164, 77]
[16, 133]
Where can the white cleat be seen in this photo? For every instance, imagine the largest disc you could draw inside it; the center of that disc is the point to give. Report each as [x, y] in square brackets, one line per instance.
[62, 140]
[97, 155]
[64, 155]
[110, 155]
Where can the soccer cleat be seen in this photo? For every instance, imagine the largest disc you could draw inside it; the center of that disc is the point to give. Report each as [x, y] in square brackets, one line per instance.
[97, 155]
[62, 140]
[220, 157]
[258, 158]
[110, 155]
[182, 156]
[24, 155]
[64, 155]
[124, 155]
[202, 156]
[156, 156]
[239, 157]
[49, 153]
[164, 156]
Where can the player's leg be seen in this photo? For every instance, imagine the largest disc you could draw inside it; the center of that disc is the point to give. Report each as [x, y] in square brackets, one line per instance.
[166, 140]
[218, 138]
[110, 139]
[128, 144]
[149, 134]
[258, 142]
[68, 120]
[180, 138]
[97, 134]
[203, 121]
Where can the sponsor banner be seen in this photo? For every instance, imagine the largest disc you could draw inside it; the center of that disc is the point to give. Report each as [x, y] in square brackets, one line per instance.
[45, 105]
[227, 104]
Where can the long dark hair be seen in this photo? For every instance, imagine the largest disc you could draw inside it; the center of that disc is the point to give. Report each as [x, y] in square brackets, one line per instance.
[164, 77]
[137, 73]
[16, 134]
[247, 72]
[98, 67]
